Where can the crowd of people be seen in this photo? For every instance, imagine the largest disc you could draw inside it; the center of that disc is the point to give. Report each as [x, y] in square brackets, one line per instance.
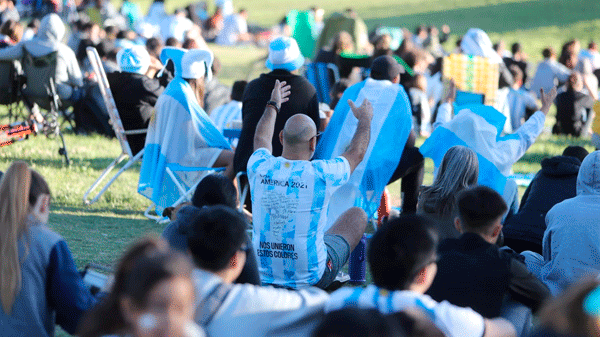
[466, 256]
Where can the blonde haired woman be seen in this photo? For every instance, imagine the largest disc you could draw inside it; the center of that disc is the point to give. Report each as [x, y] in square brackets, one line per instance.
[39, 283]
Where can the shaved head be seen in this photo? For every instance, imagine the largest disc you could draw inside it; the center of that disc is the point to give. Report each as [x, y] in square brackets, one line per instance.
[298, 129]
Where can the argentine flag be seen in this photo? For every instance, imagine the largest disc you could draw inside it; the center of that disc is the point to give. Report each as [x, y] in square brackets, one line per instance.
[478, 127]
[390, 128]
[182, 137]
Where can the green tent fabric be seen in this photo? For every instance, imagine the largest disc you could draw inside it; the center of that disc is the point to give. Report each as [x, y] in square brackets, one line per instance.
[303, 31]
[338, 22]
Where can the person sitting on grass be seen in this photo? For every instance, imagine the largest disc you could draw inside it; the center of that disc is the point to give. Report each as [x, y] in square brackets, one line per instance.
[525, 230]
[217, 244]
[402, 259]
[152, 295]
[40, 286]
[459, 170]
[472, 270]
[214, 189]
[290, 196]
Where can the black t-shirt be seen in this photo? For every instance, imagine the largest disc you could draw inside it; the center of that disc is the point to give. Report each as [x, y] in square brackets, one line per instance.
[303, 99]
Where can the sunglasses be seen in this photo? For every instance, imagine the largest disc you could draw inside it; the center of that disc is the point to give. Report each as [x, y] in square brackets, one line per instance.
[318, 136]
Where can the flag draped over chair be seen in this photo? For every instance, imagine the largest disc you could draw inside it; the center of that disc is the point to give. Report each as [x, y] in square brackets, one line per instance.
[390, 128]
[182, 137]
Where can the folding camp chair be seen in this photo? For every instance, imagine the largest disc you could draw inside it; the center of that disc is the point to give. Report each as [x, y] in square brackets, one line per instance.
[117, 125]
[185, 194]
[9, 89]
[40, 91]
[322, 76]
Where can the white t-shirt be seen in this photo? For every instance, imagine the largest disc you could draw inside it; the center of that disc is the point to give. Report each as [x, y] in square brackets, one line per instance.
[454, 321]
[289, 211]
[233, 26]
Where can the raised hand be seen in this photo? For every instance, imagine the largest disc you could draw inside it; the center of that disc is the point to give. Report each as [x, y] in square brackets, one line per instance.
[280, 93]
[365, 110]
[547, 100]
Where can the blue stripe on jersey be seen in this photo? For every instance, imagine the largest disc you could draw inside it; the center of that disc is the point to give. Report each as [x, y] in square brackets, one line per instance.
[390, 303]
[428, 311]
[352, 300]
[315, 214]
[265, 261]
[289, 265]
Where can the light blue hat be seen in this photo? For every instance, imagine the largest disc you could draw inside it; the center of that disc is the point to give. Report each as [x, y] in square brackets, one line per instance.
[134, 59]
[197, 63]
[284, 54]
[175, 55]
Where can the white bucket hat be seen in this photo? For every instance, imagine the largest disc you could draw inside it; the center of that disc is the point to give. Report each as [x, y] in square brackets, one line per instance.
[197, 63]
[284, 54]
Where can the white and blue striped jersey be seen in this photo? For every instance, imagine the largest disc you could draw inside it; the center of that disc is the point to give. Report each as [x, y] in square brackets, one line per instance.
[289, 208]
[226, 113]
[454, 321]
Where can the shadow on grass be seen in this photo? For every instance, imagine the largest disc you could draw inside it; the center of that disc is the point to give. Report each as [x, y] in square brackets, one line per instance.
[92, 210]
[499, 18]
[97, 164]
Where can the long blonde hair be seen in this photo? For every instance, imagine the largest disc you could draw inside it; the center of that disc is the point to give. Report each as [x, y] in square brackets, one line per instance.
[19, 189]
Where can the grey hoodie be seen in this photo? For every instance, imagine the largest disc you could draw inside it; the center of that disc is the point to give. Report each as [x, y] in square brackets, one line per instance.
[571, 243]
[47, 40]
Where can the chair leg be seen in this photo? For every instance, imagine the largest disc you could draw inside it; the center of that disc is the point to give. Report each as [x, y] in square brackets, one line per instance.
[63, 150]
[105, 173]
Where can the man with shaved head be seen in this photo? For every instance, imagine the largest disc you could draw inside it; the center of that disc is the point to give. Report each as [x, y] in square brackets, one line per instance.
[290, 197]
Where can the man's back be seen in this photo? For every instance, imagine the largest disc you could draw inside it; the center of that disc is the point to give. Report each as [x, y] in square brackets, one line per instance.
[290, 199]
[248, 310]
[471, 273]
[303, 99]
[554, 183]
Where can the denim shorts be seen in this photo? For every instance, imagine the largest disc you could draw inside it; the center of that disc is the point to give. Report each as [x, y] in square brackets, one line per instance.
[338, 252]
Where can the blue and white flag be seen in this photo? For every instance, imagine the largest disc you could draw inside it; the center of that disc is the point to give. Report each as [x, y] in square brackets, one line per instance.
[182, 137]
[478, 127]
[390, 128]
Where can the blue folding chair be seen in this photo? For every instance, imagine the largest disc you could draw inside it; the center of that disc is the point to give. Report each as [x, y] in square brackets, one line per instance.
[322, 76]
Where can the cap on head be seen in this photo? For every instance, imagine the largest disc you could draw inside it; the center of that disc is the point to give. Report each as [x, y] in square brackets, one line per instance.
[385, 68]
[134, 60]
[284, 54]
[196, 63]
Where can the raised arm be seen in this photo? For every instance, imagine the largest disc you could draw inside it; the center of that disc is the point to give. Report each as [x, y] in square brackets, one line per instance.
[263, 136]
[360, 141]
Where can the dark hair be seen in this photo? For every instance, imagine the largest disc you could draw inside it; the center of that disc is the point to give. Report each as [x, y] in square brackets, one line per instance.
[106, 317]
[38, 187]
[215, 235]
[399, 249]
[576, 152]
[172, 42]
[237, 91]
[479, 207]
[338, 90]
[516, 48]
[215, 189]
[154, 45]
[516, 72]
[353, 321]
[111, 30]
[548, 52]
[420, 28]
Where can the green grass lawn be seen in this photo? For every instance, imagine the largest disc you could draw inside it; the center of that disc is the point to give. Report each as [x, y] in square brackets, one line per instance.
[100, 232]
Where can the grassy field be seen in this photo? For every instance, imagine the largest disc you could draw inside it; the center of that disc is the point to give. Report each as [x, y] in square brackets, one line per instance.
[100, 232]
